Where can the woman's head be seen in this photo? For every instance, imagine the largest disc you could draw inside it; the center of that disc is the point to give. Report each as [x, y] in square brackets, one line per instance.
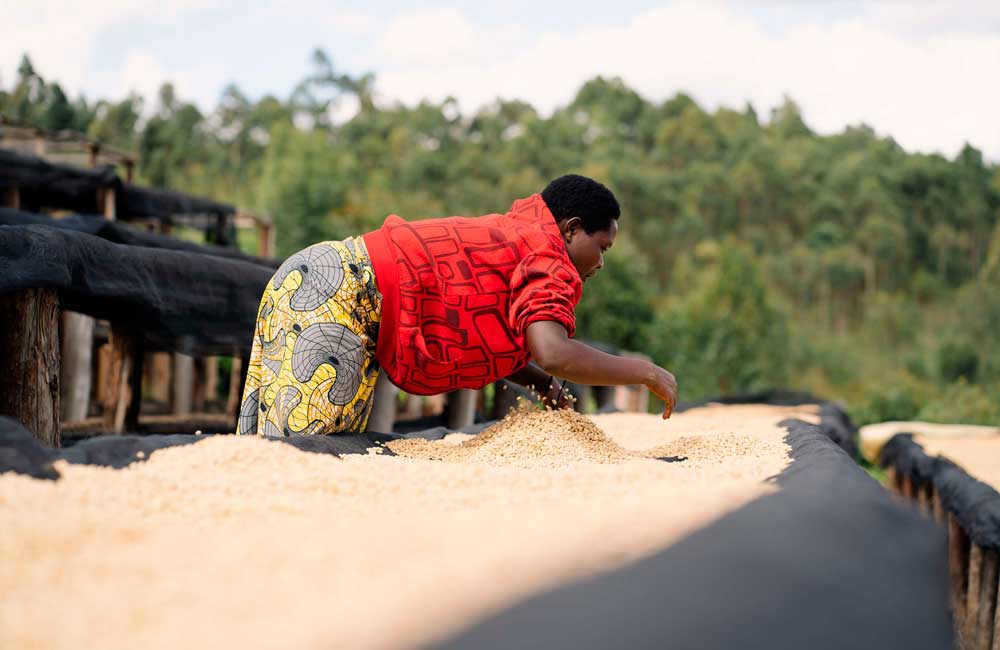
[587, 214]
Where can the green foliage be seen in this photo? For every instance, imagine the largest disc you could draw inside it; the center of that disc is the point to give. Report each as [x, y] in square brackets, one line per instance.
[725, 335]
[617, 305]
[958, 359]
[303, 203]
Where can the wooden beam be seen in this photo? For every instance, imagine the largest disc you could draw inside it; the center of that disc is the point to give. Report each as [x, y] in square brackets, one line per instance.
[77, 342]
[29, 361]
[124, 388]
[10, 197]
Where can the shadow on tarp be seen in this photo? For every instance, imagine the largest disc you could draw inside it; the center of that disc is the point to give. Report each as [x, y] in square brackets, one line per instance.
[828, 562]
[975, 504]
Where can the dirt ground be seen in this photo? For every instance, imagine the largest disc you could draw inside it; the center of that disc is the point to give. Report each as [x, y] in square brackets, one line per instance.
[237, 542]
[978, 455]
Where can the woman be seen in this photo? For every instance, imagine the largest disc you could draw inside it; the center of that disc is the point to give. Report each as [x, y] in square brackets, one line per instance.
[437, 305]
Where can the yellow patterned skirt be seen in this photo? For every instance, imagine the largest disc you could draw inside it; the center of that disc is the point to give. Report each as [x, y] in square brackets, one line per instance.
[312, 365]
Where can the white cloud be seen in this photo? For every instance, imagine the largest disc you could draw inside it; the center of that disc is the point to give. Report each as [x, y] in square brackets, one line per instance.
[930, 91]
[60, 36]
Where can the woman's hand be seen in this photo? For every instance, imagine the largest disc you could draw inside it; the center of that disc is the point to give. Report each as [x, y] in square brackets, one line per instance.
[663, 384]
[557, 396]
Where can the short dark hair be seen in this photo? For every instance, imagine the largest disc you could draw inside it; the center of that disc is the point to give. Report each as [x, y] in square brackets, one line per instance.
[573, 195]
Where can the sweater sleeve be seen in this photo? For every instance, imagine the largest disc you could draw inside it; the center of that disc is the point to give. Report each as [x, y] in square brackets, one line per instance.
[543, 287]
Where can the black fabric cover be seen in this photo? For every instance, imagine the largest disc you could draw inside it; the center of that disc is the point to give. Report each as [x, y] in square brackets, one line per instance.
[120, 233]
[132, 201]
[828, 562]
[21, 453]
[43, 183]
[188, 302]
[975, 504]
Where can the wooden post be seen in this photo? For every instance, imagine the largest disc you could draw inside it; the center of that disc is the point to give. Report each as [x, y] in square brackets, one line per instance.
[924, 498]
[413, 407]
[233, 400]
[958, 568]
[106, 202]
[604, 396]
[972, 595]
[124, 389]
[937, 506]
[265, 239]
[433, 405]
[996, 620]
[77, 358]
[892, 479]
[29, 361]
[461, 408]
[987, 601]
[383, 414]
[160, 376]
[211, 392]
[198, 386]
[183, 384]
[10, 197]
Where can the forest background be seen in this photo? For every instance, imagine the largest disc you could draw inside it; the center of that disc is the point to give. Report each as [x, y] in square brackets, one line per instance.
[754, 252]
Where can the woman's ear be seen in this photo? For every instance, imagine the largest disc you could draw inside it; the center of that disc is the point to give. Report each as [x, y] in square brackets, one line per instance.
[570, 228]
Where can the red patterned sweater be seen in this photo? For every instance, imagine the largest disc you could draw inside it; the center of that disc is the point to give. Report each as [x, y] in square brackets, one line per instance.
[458, 294]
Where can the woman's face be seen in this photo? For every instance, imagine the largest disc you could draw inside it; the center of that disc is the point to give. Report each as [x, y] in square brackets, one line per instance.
[587, 250]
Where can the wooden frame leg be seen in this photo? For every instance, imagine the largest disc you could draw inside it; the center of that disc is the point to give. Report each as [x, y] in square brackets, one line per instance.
[29, 361]
[76, 372]
[958, 568]
[461, 408]
[383, 415]
[972, 595]
[123, 396]
[987, 601]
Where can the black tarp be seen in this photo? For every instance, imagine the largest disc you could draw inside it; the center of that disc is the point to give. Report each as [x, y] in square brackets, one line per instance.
[21, 453]
[120, 233]
[828, 562]
[133, 201]
[48, 184]
[975, 504]
[178, 300]
[42, 183]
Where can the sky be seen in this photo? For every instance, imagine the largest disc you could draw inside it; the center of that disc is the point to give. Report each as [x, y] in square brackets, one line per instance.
[924, 73]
